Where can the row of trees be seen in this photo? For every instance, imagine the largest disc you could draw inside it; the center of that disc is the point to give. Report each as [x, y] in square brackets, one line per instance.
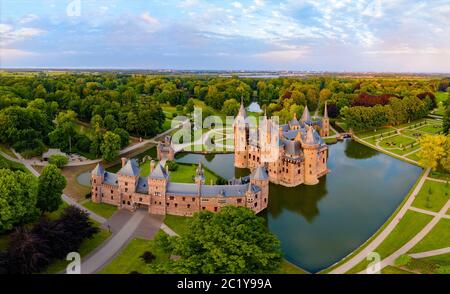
[397, 111]
[435, 152]
[31, 250]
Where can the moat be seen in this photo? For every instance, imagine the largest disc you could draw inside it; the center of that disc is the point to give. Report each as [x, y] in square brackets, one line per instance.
[319, 225]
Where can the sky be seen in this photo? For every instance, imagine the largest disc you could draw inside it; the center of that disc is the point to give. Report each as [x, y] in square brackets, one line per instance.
[314, 35]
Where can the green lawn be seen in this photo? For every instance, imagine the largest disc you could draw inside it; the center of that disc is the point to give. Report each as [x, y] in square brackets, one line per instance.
[186, 172]
[129, 259]
[438, 237]
[289, 268]
[86, 247]
[178, 224]
[414, 157]
[102, 209]
[443, 259]
[431, 129]
[411, 223]
[432, 196]
[396, 142]
[440, 98]
[440, 175]
[429, 265]
[57, 213]
[392, 270]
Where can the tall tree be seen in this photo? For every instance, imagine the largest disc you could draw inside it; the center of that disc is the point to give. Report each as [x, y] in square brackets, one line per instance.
[110, 146]
[51, 186]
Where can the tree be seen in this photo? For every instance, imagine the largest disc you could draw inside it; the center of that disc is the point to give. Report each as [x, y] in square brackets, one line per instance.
[190, 106]
[110, 146]
[232, 241]
[124, 137]
[110, 122]
[51, 186]
[77, 224]
[432, 151]
[18, 197]
[27, 252]
[97, 121]
[65, 130]
[230, 107]
[58, 160]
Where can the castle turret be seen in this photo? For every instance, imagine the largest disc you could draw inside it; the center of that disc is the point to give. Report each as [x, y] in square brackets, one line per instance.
[240, 138]
[306, 117]
[199, 175]
[325, 130]
[128, 177]
[311, 147]
[97, 179]
[259, 188]
[157, 187]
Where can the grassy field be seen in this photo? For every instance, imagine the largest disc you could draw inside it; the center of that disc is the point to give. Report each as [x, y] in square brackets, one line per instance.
[438, 237]
[392, 270]
[102, 209]
[129, 259]
[432, 196]
[411, 223]
[429, 265]
[185, 173]
[178, 224]
[440, 98]
[86, 247]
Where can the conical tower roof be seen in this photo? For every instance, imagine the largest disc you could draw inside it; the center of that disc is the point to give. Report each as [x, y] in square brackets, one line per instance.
[325, 111]
[306, 116]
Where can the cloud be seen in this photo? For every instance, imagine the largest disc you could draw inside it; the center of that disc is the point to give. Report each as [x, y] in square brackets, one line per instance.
[11, 53]
[374, 9]
[28, 18]
[236, 5]
[151, 21]
[11, 35]
[284, 55]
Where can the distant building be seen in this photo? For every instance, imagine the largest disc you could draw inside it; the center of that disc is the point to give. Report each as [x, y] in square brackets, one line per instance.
[164, 150]
[51, 152]
[157, 194]
[254, 107]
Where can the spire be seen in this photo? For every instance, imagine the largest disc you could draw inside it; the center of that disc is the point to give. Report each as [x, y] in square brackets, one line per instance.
[295, 115]
[325, 111]
[242, 111]
[306, 117]
[199, 175]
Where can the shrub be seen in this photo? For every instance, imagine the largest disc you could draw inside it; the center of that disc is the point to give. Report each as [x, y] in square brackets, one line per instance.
[172, 165]
[58, 160]
[148, 257]
[163, 241]
[88, 195]
[403, 260]
[221, 181]
[443, 269]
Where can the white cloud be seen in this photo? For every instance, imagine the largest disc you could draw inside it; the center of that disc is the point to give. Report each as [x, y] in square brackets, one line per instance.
[151, 21]
[292, 53]
[11, 35]
[374, 9]
[236, 5]
[28, 18]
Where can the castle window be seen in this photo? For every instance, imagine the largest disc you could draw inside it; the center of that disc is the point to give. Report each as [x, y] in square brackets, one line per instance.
[95, 188]
[184, 198]
[176, 204]
[123, 201]
[188, 206]
[126, 183]
[140, 199]
[159, 202]
[310, 165]
[112, 197]
[112, 191]
[155, 202]
[239, 200]
[128, 202]
[298, 171]
[95, 181]
[256, 196]
[171, 197]
[193, 199]
[157, 194]
[287, 170]
[324, 160]
[168, 204]
[256, 204]
[126, 189]
[215, 209]
[310, 172]
[203, 208]
[265, 200]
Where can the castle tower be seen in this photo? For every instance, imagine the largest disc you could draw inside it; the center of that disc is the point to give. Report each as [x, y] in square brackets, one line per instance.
[325, 130]
[260, 179]
[157, 186]
[127, 177]
[97, 178]
[199, 175]
[310, 150]
[240, 138]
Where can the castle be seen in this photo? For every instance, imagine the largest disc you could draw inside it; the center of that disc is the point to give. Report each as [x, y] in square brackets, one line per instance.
[156, 193]
[301, 158]
[301, 154]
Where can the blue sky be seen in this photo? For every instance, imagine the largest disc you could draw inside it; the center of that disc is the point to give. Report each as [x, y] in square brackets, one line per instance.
[332, 35]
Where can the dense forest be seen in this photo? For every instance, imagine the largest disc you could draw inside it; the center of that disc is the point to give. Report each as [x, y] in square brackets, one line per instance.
[40, 110]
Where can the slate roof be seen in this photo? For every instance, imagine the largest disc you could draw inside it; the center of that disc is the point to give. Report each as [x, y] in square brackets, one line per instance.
[142, 185]
[259, 173]
[159, 172]
[110, 179]
[98, 170]
[131, 168]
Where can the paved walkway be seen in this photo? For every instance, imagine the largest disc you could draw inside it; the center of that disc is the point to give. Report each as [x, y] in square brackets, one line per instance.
[101, 256]
[424, 211]
[430, 253]
[416, 239]
[346, 266]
